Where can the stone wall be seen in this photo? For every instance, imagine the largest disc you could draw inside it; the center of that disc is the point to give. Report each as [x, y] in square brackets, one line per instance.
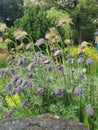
[43, 122]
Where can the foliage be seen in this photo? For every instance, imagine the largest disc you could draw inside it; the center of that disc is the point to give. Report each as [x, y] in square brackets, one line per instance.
[34, 22]
[52, 81]
[10, 10]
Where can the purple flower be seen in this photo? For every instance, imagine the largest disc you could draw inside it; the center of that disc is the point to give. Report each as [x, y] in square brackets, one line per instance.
[9, 86]
[12, 70]
[47, 61]
[9, 114]
[17, 90]
[89, 110]
[60, 68]
[57, 53]
[40, 90]
[80, 60]
[78, 91]
[30, 75]
[28, 46]
[20, 62]
[89, 61]
[40, 42]
[24, 59]
[24, 83]
[81, 76]
[25, 103]
[30, 84]
[31, 65]
[14, 78]
[2, 72]
[80, 52]
[19, 81]
[59, 92]
[48, 67]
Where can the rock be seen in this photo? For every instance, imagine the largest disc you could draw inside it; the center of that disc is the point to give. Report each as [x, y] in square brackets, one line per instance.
[43, 122]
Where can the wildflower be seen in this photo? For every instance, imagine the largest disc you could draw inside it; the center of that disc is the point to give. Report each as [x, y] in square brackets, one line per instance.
[24, 59]
[20, 62]
[28, 46]
[2, 72]
[80, 60]
[89, 61]
[9, 114]
[14, 78]
[57, 53]
[19, 34]
[60, 68]
[30, 75]
[80, 52]
[14, 99]
[9, 86]
[59, 92]
[78, 91]
[19, 81]
[12, 70]
[48, 79]
[89, 110]
[47, 61]
[31, 65]
[30, 84]
[24, 83]
[48, 67]
[3, 27]
[25, 103]
[17, 90]
[81, 76]
[39, 42]
[40, 90]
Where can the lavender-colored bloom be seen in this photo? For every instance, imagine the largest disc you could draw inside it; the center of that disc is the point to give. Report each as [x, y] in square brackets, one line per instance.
[81, 76]
[60, 68]
[17, 90]
[40, 90]
[78, 91]
[48, 67]
[9, 86]
[19, 81]
[30, 84]
[12, 70]
[28, 46]
[31, 65]
[40, 42]
[20, 62]
[47, 61]
[49, 79]
[25, 103]
[24, 83]
[30, 75]
[9, 114]
[14, 78]
[89, 61]
[80, 52]
[2, 72]
[59, 92]
[24, 59]
[57, 53]
[80, 60]
[89, 110]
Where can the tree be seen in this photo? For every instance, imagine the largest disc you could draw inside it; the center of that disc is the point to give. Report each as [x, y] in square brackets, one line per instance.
[10, 10]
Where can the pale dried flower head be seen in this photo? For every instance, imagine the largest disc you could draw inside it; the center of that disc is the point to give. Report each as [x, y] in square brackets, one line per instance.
[63, 20]
[1, 40]
[19, 34]
[7, 40]
[3, 27]
[52, 35]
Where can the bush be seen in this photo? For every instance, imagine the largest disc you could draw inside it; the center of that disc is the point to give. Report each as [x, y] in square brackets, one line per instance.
[35, 22]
